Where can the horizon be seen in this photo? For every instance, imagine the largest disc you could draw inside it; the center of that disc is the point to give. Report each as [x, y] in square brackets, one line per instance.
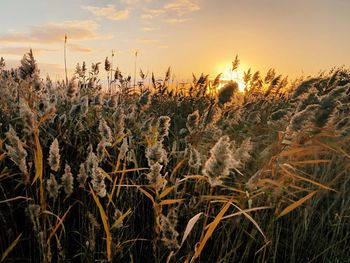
[191, 36]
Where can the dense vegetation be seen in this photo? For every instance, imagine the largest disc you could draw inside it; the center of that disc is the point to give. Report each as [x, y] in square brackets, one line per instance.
[173, 174]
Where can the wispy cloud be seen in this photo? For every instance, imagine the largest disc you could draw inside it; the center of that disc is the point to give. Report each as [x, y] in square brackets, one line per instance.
[152, 13]
[148, 41]
[108, 12]
[182, 7]
[173, 21]
[149, 29]
[51, 33]
[173, 12]
[23, 50]
[163, 46]
[79, 48]
[136, 2]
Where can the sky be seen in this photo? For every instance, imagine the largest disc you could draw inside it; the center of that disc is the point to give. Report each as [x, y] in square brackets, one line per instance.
[300, 37]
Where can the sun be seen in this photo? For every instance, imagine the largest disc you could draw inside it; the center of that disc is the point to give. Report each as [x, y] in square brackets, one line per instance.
[230, 75]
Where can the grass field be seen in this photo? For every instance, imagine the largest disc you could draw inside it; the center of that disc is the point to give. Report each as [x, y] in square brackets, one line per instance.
[158, 174]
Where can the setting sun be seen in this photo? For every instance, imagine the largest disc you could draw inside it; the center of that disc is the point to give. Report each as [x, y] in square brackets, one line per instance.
[232, 75]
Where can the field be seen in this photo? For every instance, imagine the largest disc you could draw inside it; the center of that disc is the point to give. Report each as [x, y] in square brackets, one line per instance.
[157, 173]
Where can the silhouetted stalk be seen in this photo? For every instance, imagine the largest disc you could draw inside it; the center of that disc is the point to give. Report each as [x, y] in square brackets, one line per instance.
[65, 58]
[135, 69]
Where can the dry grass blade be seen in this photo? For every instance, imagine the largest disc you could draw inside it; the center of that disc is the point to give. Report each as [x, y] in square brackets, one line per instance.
[334, 148]
[223, 198]
[60, 222]
[57, 217]
[10, 248]
[121, 179]
[118, 163]
[251, 219]
[301, 151]
[295, 175]
[269, 182]
[38, 158]
[247, 211]
[210, 231]
[190, 226]
[15, 199]
[170, 201]
[166, 191]
[296, 204]
[193, 177]
[310, 162]
[2, 156]
[131, 170]
[150, 197]
[233, 189]
[105, 225]
[121, 218]
[110, 196]
[177, 167]
[115, 179]
[105, 174]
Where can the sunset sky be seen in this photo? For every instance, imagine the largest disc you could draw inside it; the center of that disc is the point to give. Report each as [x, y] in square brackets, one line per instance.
[294, 37]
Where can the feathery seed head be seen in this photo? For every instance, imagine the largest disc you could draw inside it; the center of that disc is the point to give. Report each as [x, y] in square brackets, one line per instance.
[169, 233]
[124, 148]
[101, 149]
[279, 114]
[82, 176]
[119, 122]
[192, 121]
[67, 180]
[72, 89]
[226, 92]
[195, 158]
[27, 116]
[156, 153]
[52, 187]
[242, 154]
[144, 101]
[220, 162]
[154, 177]
[54, 156]
[84, 105]
[98, 182]
[105, 130]
[147, 126]
[17, 153]
[303, 118]
[163, 127]
[107, 64]
[112, 101]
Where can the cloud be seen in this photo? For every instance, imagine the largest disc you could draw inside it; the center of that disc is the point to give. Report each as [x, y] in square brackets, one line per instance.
[108, 12]
[136, 2]
[173, 12]
[149, 29]
[152, 13]
[148, 41]
[182, 7]
[23, 50]
[78, 48]
[163, 46]
[173, 21]
[54, 32]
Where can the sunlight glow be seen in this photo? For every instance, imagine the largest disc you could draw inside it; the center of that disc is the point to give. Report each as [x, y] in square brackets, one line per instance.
[229, 75]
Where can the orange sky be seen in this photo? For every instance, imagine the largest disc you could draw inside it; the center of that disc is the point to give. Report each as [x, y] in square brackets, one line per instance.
[294, 37]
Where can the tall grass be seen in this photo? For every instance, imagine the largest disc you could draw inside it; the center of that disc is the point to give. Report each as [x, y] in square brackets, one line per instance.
[154, 174]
